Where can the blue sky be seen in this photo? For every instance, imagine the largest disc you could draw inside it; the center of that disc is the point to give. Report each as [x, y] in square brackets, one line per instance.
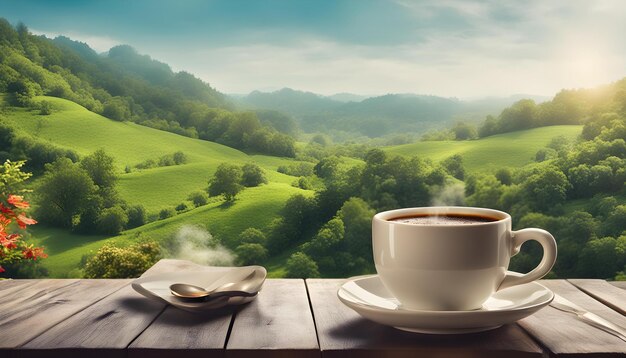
[450, 48]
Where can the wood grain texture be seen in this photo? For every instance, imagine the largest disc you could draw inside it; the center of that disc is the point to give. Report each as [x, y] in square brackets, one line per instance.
[176, 331]
[104, 329]
[604, 292]
[8, 285]
[620, 284]
[344, 333]
[43, 306]
[278, 323]
[564, 334]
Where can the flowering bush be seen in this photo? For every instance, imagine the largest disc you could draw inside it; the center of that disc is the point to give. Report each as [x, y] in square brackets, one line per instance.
[12, 212]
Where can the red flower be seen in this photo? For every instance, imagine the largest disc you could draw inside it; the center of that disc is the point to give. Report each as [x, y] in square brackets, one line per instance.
[6, 210]
[18, 201]
[22, 221]
[34, 253]
[1, 269]
[9, 241]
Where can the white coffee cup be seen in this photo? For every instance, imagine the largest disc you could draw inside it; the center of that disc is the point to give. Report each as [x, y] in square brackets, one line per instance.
[451, 267]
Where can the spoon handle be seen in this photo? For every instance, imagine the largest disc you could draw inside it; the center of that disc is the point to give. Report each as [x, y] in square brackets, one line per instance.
[229, 294]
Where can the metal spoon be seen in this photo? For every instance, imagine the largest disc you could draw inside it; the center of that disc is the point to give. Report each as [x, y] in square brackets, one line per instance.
[246, 287]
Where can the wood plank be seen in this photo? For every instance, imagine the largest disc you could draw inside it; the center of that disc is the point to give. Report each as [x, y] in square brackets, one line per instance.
[44, 305]
[604, 292]
[564, 334]
[9, 286]
[104, 329]
[19, 295]
[344, 333]
[278, 323]
[620, 284]
[47, 304]
[177, 332]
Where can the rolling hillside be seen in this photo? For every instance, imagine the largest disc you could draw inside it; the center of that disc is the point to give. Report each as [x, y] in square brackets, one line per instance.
[72, 126]
[489, 154]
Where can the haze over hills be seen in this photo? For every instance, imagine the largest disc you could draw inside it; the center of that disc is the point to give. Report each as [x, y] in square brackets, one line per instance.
[377, 115]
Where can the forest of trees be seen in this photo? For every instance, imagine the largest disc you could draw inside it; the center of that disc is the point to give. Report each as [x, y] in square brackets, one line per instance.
[573, 189]
[126, 86]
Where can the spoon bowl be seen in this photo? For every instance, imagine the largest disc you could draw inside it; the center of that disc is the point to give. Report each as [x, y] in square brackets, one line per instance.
[248, 286]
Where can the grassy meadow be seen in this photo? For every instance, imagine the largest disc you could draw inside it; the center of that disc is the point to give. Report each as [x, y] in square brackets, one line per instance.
[512, 150]
[73, 127]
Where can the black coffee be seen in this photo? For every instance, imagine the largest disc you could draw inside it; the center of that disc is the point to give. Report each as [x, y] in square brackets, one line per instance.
[447, 219]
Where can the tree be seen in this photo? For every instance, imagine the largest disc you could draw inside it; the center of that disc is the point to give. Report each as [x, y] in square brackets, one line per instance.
[112, 220]
[252, 175]
[226, 181]
[62, 192]
[299, 265]
[250, 254]
[454, 166]
[464, 131]
[546, 188]
[357, 220]
[198, 198]
[136, 216]
[166, 213]
[101, 169]
[252, 236]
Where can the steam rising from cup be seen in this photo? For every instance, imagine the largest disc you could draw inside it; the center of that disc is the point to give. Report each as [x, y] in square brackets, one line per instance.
[196, 244]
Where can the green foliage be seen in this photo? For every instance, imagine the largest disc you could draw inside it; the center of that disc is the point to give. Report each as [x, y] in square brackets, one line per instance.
[300, 265]
[250, 254]
[226, 181]
[454, 166]
[100, 167]
[63, 191]
[464, 131]
[252, 175]
[252, 236]
[302, 183]
[122, 262]
[166, 213]
[299, 169]
[198, 198]
[45, 108]
[136, 216]
[181, 207]
[112, 220]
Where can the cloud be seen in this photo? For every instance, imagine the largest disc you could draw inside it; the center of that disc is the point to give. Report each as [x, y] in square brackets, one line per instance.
[447, 47]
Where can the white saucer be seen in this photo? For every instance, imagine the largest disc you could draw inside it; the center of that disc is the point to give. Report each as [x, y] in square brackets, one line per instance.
[368, 297]
[157, 286]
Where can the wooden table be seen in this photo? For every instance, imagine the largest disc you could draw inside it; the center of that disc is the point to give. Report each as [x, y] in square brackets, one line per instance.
[290, 318]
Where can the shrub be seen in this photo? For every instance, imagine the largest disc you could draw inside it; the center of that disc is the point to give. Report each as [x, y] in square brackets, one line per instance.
[45, 108]
[181, 207]
[112, 220]
[250, 254]
[252, 175]
[198, 198]
[166, 213]
[136, 216]
[300, 265]
[111, 261]
[252, 236]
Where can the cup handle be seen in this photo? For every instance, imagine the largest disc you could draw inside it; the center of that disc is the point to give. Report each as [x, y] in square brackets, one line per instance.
[547, 261]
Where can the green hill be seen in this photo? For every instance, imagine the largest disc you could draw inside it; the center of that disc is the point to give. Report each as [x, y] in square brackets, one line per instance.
[512, 150]
[73, 127]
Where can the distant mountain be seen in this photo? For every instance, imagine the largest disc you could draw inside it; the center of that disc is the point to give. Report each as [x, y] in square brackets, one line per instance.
[347, 97]
[374, 116]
